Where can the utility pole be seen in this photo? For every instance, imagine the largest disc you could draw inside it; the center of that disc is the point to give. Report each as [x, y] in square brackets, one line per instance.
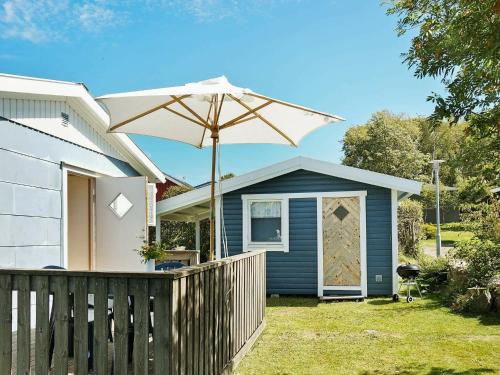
[435, 167]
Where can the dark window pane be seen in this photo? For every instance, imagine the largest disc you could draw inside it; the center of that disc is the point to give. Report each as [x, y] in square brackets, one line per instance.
[266, 229]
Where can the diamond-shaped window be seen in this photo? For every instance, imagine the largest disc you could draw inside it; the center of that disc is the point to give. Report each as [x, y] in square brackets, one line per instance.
[120, 205]
[341, 212]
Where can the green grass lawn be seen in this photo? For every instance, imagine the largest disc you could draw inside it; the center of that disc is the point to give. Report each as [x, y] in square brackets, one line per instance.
[448, 238]
[377, 336]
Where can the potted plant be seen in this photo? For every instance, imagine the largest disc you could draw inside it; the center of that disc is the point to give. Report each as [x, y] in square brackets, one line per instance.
[149, 252]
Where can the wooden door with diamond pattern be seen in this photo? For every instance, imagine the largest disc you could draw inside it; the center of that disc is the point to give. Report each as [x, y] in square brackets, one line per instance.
[341, 242]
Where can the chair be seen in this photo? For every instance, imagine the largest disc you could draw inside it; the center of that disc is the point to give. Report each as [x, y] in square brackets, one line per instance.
[166, 266]
[71, 325]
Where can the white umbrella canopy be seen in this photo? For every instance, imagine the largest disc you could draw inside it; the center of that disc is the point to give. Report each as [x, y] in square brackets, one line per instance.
[210, 112]
[184, 113]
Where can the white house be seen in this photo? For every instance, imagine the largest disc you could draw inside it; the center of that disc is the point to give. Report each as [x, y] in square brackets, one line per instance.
[70, 193]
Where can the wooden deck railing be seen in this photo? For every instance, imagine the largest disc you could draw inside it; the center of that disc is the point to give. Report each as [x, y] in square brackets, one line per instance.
[201, 318]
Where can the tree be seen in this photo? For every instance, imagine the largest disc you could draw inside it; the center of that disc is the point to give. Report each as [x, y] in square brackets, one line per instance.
[181, 233]
[458, 42]
[443, 142]
[388, 144]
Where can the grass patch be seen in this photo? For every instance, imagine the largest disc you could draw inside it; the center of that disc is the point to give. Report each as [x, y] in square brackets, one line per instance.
[449, 238]
[372, 337]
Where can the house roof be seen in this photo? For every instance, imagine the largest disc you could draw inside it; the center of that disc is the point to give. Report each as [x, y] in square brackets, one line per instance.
[77, 95]
[188, 201]
[176, 180]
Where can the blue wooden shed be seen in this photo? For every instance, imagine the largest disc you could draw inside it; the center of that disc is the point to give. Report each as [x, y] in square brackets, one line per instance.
[329, 229]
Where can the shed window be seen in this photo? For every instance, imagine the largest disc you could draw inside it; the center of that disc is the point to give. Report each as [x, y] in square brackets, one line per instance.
[265, 224]
[265, 221]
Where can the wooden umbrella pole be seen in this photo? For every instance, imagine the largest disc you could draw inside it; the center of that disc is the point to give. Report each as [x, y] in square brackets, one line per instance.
[215, 137]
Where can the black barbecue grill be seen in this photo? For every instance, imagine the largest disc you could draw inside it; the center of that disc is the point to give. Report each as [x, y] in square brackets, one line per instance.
[409, 274]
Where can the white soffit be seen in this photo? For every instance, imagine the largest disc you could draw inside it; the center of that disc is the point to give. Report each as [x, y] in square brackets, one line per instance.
[200, 195]
[76, 94]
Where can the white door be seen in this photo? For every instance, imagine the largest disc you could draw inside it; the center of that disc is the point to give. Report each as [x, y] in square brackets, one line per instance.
[121, 226]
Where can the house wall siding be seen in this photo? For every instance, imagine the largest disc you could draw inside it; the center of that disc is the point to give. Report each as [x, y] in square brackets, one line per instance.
[31, 192]
[45, 115]
[295, 272]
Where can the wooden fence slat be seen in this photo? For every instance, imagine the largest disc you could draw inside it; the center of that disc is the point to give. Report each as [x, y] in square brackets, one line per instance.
[182, 326]
[211, 323]
[23, 324]
[162, 321]
[141, 328]
[201, 356]
[189, 318]
[81, 325]
[207, 325]
[121, 320]
[174, 327]
[5, 324]
[42, 325]
[100, 325]
[60, 304]
[196, 322]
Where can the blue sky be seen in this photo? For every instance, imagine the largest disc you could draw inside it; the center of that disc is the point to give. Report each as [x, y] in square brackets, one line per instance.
[341, 57]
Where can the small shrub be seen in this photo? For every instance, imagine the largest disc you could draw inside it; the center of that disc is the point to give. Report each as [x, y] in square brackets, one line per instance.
[473, 302]
[456, 227]
[151, 251]
[429, 231]
[410, 227]
[481, 260]
[433, 272]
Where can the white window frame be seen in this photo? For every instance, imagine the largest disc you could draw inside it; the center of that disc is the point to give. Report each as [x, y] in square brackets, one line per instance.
[248, 245]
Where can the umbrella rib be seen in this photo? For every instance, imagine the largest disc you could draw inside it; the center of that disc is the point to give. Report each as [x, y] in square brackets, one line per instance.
[184, 116]
[266, 121]
[219, 110]
[125, 122]
[338, 118]
[207, 121]
[244, 120]
[179, 100]
[250, 111]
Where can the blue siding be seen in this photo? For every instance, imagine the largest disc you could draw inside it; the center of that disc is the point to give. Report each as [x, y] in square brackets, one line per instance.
[296, 272]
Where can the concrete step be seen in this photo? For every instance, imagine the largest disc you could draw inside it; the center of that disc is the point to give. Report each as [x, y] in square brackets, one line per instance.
[342, 298]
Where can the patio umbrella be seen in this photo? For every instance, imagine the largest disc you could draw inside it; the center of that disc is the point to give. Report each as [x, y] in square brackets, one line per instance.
[210, 112]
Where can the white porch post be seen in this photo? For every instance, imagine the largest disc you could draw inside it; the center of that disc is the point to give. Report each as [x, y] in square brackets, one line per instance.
[158, 229]
[394, 237]
[197, 231]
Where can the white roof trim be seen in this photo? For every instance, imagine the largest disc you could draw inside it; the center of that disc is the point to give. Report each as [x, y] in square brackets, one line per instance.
[77, 95]
[201, 195]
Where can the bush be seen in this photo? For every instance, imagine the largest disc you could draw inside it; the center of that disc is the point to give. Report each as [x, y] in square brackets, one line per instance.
[484, 219]
[478, 302]
[481, 260]
[457, 227]
[433, 272]
[429, 231]
[410, 227]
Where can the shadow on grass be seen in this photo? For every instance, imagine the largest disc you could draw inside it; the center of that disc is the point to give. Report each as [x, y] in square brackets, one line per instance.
[380, 301]
[292, 301]
[437, 371]
[436, 301]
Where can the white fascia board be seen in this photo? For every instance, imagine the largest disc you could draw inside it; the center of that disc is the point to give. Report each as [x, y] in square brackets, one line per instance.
[361, 175]
[197, 196]
[77, 95]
